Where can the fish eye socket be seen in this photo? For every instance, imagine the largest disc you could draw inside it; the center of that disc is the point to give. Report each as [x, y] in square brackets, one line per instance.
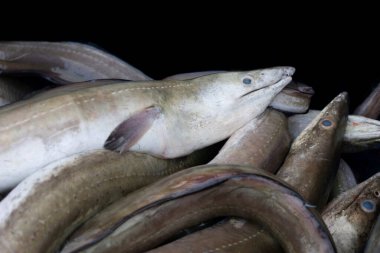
[368, 206]
[247, 80]
[326, 123]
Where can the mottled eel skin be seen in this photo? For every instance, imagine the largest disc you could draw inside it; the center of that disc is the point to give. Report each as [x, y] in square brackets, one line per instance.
[351, 215]
[47, 206]
[256, 144]
[361, 133]
[312, 159]
[188, 197]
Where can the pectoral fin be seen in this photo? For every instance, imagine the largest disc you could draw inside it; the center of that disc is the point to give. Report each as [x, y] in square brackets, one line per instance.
[128, 132]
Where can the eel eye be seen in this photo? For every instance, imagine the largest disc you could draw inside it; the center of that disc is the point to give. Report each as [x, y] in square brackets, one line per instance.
[247, 80]
[326, 123]
[368, 206]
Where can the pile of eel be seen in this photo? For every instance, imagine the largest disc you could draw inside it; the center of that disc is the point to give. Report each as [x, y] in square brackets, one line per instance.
[99, 157]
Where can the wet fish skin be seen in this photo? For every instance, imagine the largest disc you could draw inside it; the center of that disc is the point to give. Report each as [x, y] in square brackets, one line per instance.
[136, 116]
[294, 98]
[336, 112]
[257, 143]
[192, 75]
[232, 196]
[344, 180]
[61, 196]
[350, 216]
[373, 243]
[231, 235]
[64, 62]
[298, 122]
[313, 159]
[361, 133]
[12, 90]
[174, 186]
[370, 107]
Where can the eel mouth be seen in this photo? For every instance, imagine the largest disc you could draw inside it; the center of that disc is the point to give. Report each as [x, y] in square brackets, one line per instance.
[286, 77]
[250, 92]
[294, 87]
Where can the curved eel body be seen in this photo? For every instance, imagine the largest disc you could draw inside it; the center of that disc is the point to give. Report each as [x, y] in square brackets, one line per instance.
[316, 171]
[351, 215]
[64, 62]
[257, 143]
[361, 133]
[373, 243]
[230, 235]
[370, 107]
[64, 194]
[345, 180]
[253, 145]
[294, 98]
[167, 119]
[12, 90]
[205, 192]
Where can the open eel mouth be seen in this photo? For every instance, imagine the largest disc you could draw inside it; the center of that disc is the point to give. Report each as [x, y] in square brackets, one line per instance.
[294, 87]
